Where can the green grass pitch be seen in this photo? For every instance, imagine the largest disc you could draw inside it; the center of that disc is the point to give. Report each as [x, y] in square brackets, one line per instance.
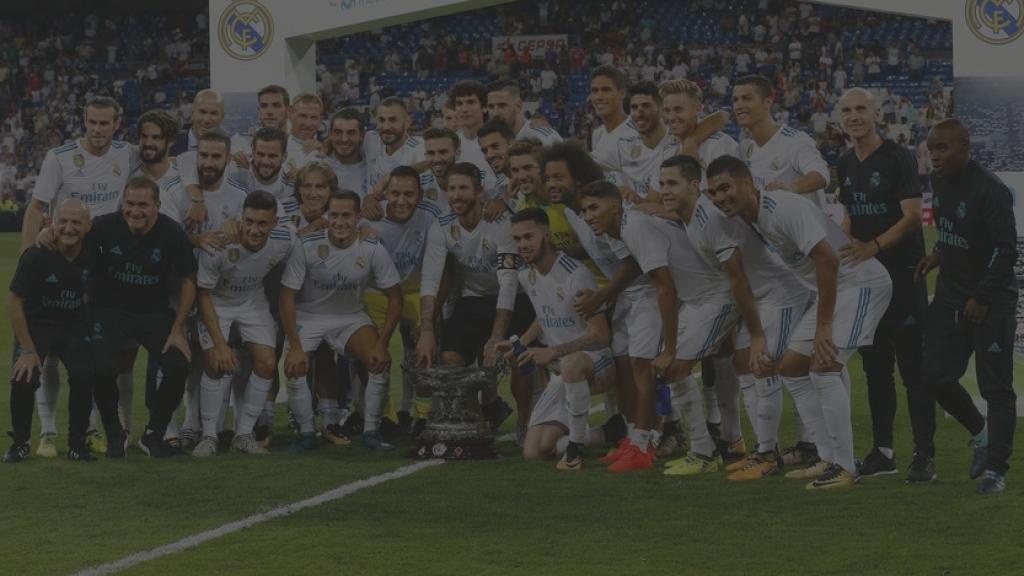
[498, 517]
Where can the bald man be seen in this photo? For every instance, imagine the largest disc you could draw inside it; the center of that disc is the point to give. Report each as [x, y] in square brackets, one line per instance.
[881, 194]
[46, 308]
[973, 311]
[207, 114]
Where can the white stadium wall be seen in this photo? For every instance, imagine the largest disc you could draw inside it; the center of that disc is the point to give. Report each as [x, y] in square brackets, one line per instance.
[258, 42]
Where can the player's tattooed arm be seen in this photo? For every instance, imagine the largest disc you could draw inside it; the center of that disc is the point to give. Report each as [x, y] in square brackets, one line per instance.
[596, 337]
[711, 124]
[589, 302]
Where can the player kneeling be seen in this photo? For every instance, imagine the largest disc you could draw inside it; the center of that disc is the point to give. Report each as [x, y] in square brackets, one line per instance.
[577, 354]
[231, 295]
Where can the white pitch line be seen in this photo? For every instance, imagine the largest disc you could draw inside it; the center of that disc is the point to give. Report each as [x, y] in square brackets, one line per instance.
[286, 510]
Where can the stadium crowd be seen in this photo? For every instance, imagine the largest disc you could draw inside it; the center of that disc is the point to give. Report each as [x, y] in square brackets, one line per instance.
[665, 249]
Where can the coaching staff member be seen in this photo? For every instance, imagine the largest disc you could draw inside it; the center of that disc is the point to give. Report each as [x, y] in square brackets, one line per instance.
[47, 309]
[973, 311]
[881, 192]
[139, 253]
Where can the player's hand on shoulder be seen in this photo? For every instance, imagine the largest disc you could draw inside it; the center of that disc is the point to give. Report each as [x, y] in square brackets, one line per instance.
[587, 302]
[657, 210]
[372, 209]
[494, 209]
[212, 241]
[47, 238]
[232, 229]
[775, 186]
[241, 160]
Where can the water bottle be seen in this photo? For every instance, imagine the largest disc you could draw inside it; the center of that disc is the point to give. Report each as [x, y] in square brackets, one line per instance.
[518, 348]
[662, 397]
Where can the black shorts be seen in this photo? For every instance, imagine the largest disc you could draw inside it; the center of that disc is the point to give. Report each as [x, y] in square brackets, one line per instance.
[69, 342]
[471, 322]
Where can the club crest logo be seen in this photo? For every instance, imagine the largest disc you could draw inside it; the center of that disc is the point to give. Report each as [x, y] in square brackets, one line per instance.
[155, 256]
[560, 293]
[996, 21]
[456, 232]
[876, 179]
[432, 194]
[322, 251]
[233, 255]
[360, 263]
[961, 210]
[116, 170]
[246, 29]
[533, 276]
[79, 161]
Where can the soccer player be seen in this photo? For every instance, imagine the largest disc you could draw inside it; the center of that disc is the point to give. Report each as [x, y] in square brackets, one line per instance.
[527, 183]
[389, 146]
[694, 303]
[469, 98]
[780, 158]
[46, 308]
[139, 253]
[494, 138]
[607, 92]
[403, 232]
[231, 296]
[639, 156]
[681, 106]
[442, 150]
[345, 135]
[485, 265]
[881, 192]
[157, 129]
[92, 169]
[850, 302]
[505, 103]
[305, 116]
[973, 311]
[321, 301]
[272, 102]
[576, 348]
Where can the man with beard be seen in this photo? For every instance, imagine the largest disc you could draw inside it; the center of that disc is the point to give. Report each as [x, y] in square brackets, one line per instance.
[156, 132]
[484, 262]
[231, 296]
[322, 292]
[494, 138]
[139, 254]
[442, 148]
[46, 309]
[92, 169]
[576, 348]
[403, 233]
[388, 147]
[975, 300]
[526, 183]
[345, 137]
[505, 103]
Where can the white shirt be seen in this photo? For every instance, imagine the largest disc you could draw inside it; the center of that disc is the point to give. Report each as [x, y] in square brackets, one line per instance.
[794, 226]
[406, 243]
[354, 177]
[70, 171]
[222, 204]
[657, 243]
[235, 274]
[787, 156]
[604, 145]
[380, 163]
[171, 190]
[608, 254]
[642, 165]
[297, 156]
[434, 194]
[553, 295]
[330, 280]
[469, 151]
[485, 258]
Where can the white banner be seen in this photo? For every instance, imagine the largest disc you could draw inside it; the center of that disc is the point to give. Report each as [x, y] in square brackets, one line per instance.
[536, 44]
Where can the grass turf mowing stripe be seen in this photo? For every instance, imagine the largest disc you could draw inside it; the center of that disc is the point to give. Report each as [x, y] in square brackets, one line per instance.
[286, 510]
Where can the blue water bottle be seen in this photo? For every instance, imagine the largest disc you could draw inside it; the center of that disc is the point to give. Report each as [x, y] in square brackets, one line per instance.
[518, 348]
[662, 397]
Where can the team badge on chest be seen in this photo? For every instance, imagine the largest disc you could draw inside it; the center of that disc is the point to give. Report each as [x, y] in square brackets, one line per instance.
[322, 251]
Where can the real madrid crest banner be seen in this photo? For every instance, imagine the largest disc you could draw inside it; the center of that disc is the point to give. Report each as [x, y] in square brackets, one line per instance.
[246, 29]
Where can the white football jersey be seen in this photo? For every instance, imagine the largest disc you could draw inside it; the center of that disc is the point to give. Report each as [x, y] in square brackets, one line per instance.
[604, 146]
[354, 177]
[794, 226]
[330, 280]
[607, 254]
[469, 151]
[485, 258]
[222, 204]
[553, 295]
[642, 165]
[433, 193]
[70, 171]
[657, 243]
[545, 134]
[380, 163]
[406, 243]
[787, 156]
[297, 156]
[235, 274]
[172, 191]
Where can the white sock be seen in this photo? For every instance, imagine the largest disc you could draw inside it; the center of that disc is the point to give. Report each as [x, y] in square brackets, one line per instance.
[577, 399]
[211, 395]
[252, 405]
[748, 391]
[47, 394]
[192, 413]
[301, 402]
[561, 444]
[330, 414]
[686, 398]
[375, 398]
[887, 452]
[709, 396]
[269, 411]
[769, 412]
[94, 416]
[640, 438]
[808, 403]
[835, 407]
[728, 399]
[125, 397]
